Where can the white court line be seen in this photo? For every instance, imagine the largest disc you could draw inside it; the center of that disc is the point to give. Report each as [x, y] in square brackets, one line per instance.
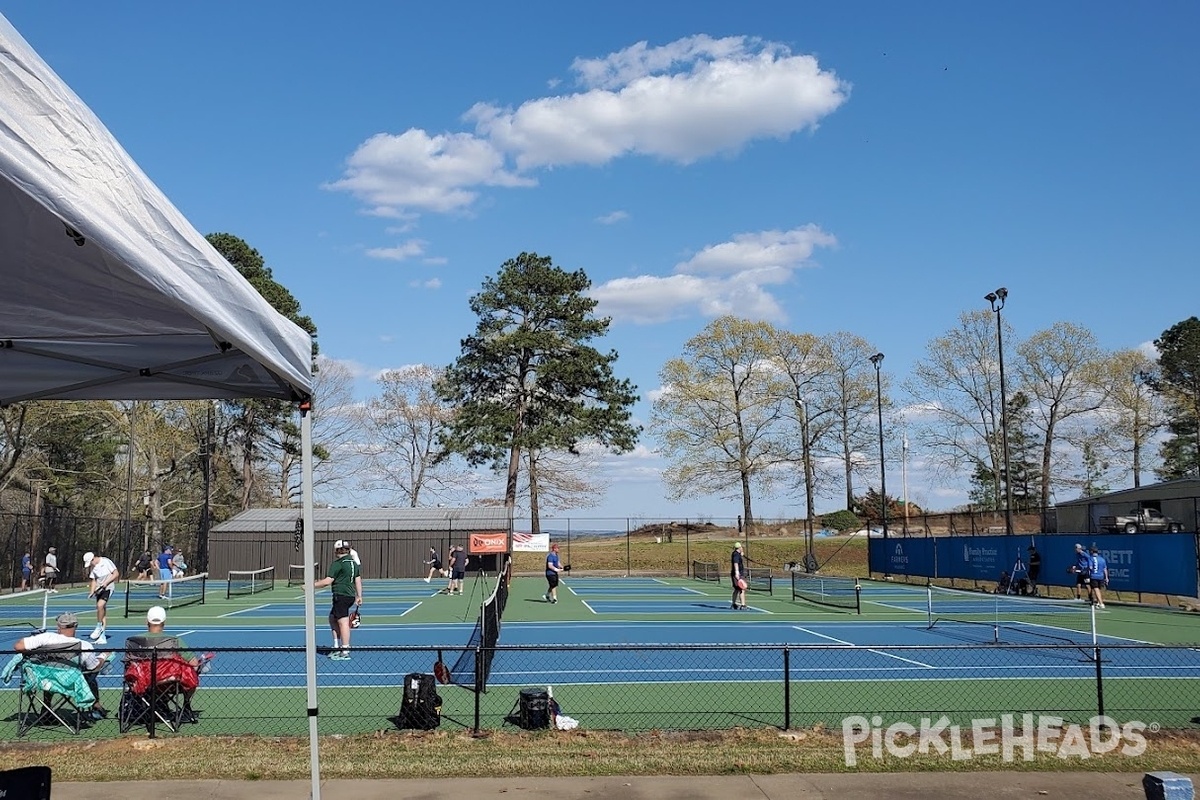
[589, 608]
[244, 610]
[869, 650]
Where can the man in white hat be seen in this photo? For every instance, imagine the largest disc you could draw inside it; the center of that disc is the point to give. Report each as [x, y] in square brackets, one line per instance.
[88, 660]
[103, 574]
[346, 579]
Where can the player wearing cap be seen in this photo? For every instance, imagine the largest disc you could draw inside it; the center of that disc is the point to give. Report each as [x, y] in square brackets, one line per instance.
[90, 661]
[156, 623]
[50, 570]
[554, 570]
[737, 574]
[166, 571]
[1082, 568]
[102, 573]
[346, 579]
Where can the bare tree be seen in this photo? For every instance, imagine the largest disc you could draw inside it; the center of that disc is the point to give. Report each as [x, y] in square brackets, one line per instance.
[852, 378]
[1134, 412]
[957, 383]
[558, 480]
[721, 417]
[402, 426]
[1059, 371]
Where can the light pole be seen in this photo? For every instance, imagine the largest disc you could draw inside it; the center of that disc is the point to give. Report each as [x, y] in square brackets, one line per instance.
[997, 299]
[877, 360]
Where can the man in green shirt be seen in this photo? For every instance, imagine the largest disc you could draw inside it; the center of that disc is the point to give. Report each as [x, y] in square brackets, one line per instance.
[346, 578]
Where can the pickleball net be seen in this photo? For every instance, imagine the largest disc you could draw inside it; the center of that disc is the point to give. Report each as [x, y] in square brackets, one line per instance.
[296, 573]
[141, 596]
[706, 571]
[474, 664]
[29, 609]
[249, 581]
[759, 577]
[1001, 619]
[831, 591]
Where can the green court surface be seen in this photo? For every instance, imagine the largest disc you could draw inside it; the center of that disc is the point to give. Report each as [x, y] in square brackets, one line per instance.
[647, 653]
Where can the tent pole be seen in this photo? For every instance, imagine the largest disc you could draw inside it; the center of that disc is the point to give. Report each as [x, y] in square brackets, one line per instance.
[310, 613]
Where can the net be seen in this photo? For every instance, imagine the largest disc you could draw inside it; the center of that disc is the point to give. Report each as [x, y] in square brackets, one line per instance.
[759, 577]
[706, 571]
[250, 581]
[25, 609]
[1010, 619]
[140, 596]
[474, 665]
[828, 590]
[296, 573]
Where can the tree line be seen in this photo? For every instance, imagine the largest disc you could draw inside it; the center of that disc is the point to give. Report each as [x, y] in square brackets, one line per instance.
[748, 410]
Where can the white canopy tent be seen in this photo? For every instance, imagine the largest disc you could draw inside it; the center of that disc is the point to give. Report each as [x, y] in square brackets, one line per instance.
[110, 294]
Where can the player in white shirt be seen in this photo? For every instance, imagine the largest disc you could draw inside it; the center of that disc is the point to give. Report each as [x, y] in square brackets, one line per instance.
[103, 574]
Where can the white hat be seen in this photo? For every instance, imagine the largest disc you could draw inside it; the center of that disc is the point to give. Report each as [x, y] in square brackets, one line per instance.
[87, 557]
[341, 544]
[157, 615]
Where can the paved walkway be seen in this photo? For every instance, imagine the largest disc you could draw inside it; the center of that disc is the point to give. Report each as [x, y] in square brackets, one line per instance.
[895, 786]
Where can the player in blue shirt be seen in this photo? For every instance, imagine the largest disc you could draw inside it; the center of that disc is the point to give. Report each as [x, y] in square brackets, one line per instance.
[1082, 569]
[166, 568]
[1098, 576]
[553, 568]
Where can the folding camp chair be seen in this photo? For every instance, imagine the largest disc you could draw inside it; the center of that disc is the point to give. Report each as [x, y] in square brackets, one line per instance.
[53, 689]
[157, 683]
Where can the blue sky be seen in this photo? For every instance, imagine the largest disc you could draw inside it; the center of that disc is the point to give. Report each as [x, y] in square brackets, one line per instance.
[870, 167]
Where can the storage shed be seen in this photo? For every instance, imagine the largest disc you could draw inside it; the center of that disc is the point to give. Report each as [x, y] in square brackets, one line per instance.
[1178, 499]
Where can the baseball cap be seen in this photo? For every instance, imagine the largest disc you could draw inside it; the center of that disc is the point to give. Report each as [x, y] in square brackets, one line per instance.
[50, 549]
[1078, 546]
[737, 545]
[157, 615]
[87, 557]
[341, 544]
[67, 619]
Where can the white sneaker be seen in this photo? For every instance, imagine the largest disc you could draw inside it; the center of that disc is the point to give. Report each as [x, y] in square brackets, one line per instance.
[427, 579]
[1099, 605]
[101, 639]
[97, 633]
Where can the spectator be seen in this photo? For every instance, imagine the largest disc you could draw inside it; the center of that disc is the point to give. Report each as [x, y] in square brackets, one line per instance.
[89, 662]
[26, 571]
[102, 573]
[181, 662]
[1035, 569]
[1004, 584]
[179, 568]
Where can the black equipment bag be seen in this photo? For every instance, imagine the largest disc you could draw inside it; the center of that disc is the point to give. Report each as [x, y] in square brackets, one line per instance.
[421, 706]
[534, 709]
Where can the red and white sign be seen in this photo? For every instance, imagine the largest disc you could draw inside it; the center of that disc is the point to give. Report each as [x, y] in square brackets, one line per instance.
[531, 542]
[488, 542]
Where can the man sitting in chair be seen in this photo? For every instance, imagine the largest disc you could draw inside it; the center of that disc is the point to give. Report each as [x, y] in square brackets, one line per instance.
[78, 652]
[173, 661]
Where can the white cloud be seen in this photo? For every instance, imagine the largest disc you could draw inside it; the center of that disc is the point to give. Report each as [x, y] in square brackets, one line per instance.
[414, 170]
[613, 217]
[758, 251]
[432, 283]
[401, 252]
[725, 278]
[1148, 350]
[687, 100]
[683, 101]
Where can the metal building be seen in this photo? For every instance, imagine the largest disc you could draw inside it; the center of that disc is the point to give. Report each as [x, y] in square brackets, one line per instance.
[391, 542]
[1178, 499]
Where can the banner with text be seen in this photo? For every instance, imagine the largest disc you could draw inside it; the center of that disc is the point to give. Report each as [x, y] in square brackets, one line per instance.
[531, 542]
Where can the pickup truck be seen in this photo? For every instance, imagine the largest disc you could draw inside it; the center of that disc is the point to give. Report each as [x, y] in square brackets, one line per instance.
[1146, 519]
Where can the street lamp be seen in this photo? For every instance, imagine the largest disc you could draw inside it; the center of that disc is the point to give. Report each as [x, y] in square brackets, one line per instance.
[877, 360]
[997, 299]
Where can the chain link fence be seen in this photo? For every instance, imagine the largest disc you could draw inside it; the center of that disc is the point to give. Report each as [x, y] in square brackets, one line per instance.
[689, 687]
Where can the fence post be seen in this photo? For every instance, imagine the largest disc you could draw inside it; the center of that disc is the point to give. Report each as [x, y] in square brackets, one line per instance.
[628, 554]
[1099, 682]
[478, 684]
[787, 688]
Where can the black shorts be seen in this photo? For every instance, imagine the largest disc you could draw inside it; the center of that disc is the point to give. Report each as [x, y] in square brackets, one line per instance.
[341, 606]
[1034, 572]
[552, 579]
[457, 574]
[1081, 579]
[104, 594]
[437, 565]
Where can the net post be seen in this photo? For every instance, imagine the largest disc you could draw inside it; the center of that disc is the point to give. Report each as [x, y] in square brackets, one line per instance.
[45, 609]
[1095, 636]
[929, 603]
[857, 597]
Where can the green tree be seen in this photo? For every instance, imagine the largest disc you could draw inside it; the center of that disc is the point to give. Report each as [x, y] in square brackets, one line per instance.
[723, 417]
[257, 426]
[528, 379]
[1178, 381]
